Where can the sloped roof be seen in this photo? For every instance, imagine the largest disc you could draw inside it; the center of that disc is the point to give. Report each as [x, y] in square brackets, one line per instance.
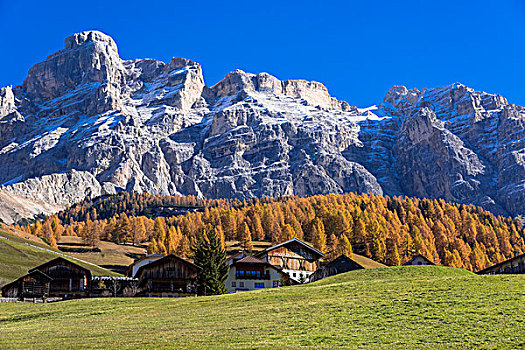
[160, 261]
[60, 259]
[409, 262]
[485, 270]
[250, 259]
[339, 265]
[150, 256]
[343, 259]
[296, 240]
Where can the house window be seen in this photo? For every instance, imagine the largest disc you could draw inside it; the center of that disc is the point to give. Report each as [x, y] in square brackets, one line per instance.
[294, 274]
[259, 285]
[234, 284]
[241, 284]
[275, 284]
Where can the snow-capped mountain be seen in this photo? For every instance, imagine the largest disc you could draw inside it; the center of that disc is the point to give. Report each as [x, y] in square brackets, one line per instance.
[86, 122]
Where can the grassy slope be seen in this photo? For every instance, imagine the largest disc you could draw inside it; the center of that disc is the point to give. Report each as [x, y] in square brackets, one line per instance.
[400, 307]
[16, 258]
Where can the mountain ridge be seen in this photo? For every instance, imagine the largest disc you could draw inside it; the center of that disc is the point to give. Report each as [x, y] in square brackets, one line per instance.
[86, 123]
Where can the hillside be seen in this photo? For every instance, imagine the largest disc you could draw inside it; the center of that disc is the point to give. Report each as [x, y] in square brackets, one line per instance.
[86, 122]
[394, 308]
[17, 257]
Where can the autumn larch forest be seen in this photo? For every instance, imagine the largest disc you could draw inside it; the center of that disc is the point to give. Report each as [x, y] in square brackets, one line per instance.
[387, 229]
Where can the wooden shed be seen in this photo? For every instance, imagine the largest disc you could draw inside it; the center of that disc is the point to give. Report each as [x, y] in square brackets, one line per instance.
[339, 265]
[69, 280]
[169, 276]
[34, 285]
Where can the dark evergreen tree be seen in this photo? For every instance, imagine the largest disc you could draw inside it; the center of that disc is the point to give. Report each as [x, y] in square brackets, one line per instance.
[211, 257]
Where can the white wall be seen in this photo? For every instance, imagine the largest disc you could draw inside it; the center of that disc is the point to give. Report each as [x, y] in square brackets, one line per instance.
[249, 284]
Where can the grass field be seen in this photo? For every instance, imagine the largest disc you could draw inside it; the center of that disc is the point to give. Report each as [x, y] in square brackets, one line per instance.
[423, 307]
[16, 257]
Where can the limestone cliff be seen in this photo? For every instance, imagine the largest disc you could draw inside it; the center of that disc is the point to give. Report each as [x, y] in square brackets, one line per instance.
[86, 122]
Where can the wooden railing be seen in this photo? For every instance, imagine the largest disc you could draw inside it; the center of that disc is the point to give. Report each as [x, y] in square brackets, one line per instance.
[252, 275]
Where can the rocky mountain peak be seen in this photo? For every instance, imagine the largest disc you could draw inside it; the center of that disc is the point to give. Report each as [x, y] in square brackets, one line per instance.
[88, 58]
[86, 122]
[311, 92]
[93, 37]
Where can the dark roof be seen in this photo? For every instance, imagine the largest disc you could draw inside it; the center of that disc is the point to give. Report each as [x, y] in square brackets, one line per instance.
[339, 265]
[306, 245]
[250, 259]
[343, 259]
[500, 264]
[160, 261]
[60, 259]
[409, 262]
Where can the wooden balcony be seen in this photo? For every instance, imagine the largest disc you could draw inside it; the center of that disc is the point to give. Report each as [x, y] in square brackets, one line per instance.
[252, 275]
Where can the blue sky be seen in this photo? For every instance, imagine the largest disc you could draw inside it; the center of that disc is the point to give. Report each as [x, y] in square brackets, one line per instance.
[358, 49]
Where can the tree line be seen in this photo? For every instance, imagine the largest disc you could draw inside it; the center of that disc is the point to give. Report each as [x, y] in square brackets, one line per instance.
[387, 229]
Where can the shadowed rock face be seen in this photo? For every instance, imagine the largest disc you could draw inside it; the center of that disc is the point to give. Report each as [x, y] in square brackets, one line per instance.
[86, 122]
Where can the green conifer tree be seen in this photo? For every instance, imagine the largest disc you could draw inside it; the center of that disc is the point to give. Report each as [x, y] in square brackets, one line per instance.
[211, 257]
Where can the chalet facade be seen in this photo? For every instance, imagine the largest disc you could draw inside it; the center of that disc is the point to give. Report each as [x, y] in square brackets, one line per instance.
[169, 276]
[250, 273]
[69, 280]
[515, 265]
[294, 257]
[339, 265]
[418, 260]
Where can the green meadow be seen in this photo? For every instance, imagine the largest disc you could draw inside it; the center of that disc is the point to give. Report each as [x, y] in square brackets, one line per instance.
[423, 307]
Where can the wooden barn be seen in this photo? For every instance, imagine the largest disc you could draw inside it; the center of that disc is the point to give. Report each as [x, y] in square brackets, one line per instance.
[69, 280]
[339, 265]
[296, 258]
[169, 276]
[514, 265]
[418, 259]
[34, 285]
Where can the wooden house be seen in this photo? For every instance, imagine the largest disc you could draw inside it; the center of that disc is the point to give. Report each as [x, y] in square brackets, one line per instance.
[250, 273]
[169, 276]
[34, 285]
[339, 265]
[418, 260]
[514, 265]
[69, 280]
[294, 257]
